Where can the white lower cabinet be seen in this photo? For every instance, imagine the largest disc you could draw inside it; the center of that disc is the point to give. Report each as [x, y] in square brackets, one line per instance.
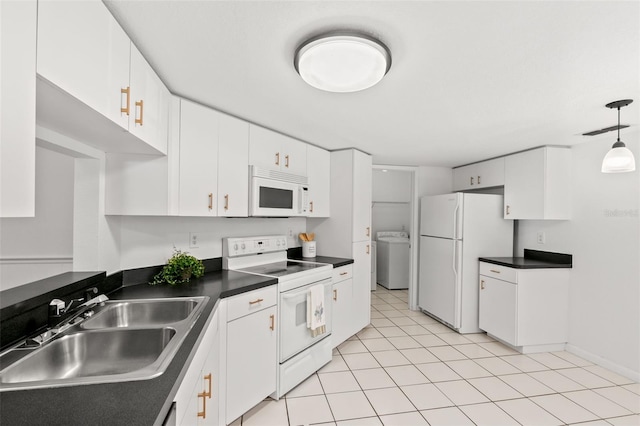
[251, 351]
[342, 295]
[198, 398]
[526, 308]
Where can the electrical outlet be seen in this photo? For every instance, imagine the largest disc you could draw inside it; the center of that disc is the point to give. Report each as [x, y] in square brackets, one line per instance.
[540, 237]
[290, 233]
[194, 239]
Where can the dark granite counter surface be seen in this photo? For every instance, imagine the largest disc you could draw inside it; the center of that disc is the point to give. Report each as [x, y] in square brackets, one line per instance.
[533, 259]
[143, 402]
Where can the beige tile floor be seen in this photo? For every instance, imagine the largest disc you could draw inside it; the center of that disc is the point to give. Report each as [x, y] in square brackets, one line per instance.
[406, 369]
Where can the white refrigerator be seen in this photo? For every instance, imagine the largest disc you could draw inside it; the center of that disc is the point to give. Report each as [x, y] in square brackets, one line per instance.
[455, 230]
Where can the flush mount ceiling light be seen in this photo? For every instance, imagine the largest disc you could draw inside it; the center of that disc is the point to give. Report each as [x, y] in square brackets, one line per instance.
[342, 62]
[619, 159]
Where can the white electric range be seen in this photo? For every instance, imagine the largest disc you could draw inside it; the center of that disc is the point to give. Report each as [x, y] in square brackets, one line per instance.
[300, 353]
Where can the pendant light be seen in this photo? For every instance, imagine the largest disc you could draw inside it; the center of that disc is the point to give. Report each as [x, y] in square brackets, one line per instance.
[342, 61]
[619, 159]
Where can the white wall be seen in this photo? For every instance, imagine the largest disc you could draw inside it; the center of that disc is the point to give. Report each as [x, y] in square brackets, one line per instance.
[434, 180]
[604, 238]
[148, 241]
[41, 246]
[391, 196]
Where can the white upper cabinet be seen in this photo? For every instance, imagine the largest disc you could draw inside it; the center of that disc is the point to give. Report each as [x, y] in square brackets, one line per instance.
[94, 82]
[537, 184]
[276, 151]
[149, 103]
[319, 173]
[233, 170]
[485, 174]
[83, 51]
[18, 106]
[198, 160]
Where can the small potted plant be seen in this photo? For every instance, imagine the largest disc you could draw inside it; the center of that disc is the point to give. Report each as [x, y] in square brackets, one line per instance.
[180, 268]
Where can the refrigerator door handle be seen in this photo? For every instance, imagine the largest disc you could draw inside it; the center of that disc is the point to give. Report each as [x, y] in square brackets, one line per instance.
[455, 221]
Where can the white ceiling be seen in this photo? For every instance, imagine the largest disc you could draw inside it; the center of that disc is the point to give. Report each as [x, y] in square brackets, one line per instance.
[469, 80]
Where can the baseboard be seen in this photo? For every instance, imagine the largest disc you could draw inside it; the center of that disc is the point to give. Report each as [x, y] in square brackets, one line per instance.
[616, 368]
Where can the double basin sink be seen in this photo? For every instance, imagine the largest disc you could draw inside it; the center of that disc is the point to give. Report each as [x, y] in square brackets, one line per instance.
[122, 340]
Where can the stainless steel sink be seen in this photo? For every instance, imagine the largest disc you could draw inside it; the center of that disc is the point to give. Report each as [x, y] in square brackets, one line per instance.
[122, 341]
[141, 313]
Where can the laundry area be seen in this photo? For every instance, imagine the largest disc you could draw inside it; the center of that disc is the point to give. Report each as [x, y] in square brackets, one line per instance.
[391, 220]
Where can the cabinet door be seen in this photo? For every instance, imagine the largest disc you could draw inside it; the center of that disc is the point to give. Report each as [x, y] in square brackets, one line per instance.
[18, 106]
[524, 185]
[233, 167]
[149, 103]
[83, 51]
[341, 328]
[198, 160]
[204, 362]
[319, 172]
[251, 361]
[490, 173]
[265, 148]
[295, 156]
[465, 177]
[362, 183]
[498, 302]
[361, 305]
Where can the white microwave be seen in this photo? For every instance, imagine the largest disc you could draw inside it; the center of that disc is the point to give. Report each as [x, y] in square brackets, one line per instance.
[277, 194]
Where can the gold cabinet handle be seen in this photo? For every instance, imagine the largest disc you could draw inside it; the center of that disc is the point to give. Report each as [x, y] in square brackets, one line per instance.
[494, 271]
[203, 413]
[481, 284]
[471, 180]
[127, 92]
[508, 209]
[335, 295]
[226, 202]
[140, 104]
[311, 207]
[277, 158]
[273, 322]
[209, 379]
[343, 273]
[256, 301]
[210, 201]
[478, 180]
[368, 231]
[367, 248]
[286, 160]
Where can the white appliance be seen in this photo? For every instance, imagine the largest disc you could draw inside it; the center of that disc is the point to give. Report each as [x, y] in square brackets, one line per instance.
[273, 193]
[455, 230]
[392, 258]
[299, 353]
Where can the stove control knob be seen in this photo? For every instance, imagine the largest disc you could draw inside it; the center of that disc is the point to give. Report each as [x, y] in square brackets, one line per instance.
[283, 243]
[235, 247]
[277, 242]
[242, 246]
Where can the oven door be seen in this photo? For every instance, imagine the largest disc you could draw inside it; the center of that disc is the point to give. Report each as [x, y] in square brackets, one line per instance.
[294, 334]
[274, 198]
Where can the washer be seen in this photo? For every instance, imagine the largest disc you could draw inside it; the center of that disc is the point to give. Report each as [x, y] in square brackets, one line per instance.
[392, 259]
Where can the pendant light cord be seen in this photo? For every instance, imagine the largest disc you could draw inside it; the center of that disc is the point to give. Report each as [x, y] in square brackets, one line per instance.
[618, 124]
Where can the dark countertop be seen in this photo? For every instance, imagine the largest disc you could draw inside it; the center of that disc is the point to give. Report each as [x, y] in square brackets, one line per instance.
[335, 261]
[533, 259]
[142, 402]
[295, 253]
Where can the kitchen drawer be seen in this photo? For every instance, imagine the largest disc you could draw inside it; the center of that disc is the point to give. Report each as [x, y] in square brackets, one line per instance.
[253, 301]
[500, 272]
[342, 273]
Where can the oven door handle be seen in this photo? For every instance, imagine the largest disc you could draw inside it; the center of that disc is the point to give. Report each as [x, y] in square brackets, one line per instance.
[290, 295]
